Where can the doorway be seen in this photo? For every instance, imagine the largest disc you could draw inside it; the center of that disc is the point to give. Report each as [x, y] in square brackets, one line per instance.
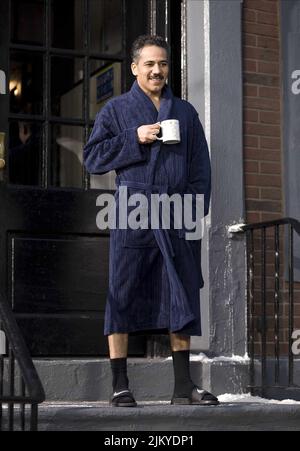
[63, 61]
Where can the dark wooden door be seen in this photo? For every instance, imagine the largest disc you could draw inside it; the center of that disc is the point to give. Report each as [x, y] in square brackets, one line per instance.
[59, 62]
[62, 61]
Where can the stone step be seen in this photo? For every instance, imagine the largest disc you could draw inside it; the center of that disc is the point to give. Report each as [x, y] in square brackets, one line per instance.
[161, 416]
[150, 379]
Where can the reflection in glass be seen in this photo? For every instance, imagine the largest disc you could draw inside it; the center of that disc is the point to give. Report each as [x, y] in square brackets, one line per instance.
[27, 22]
[105, 83]
[106, 26]
[66, 87]
[25, 151]
[105, 181]
[67, 23]
[26, 83]
[67, 149]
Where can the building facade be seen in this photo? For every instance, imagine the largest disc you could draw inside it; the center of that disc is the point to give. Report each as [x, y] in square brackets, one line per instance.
[237, 62]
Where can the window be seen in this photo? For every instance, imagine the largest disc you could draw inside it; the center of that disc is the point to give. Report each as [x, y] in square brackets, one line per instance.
[66, 60]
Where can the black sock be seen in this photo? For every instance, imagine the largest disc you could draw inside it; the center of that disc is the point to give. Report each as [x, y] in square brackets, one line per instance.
[183, 382]
[119, 374]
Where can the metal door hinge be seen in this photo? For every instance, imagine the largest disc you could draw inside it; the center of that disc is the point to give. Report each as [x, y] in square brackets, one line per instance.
[2, 82]
[2, 343]
[2, 150]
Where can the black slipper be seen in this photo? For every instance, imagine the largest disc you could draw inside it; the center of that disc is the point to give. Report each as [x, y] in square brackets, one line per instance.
[123, 398]
[197, 397]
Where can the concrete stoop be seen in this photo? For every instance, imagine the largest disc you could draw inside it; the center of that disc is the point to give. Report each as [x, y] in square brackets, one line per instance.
[165, 417]
[77, 391]
[75, 380]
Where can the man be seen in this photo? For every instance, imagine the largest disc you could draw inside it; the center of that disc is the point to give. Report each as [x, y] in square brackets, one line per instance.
[155, 275]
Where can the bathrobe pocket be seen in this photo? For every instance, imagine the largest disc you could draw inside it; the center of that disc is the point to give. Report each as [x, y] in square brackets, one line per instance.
[138, 233]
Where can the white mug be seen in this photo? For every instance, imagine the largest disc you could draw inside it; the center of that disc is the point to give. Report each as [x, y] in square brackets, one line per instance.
[170, 131]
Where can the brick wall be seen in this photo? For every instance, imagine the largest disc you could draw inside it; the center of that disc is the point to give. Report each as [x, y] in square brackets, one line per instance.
[263, 157]
[263, 166]
[262, 110]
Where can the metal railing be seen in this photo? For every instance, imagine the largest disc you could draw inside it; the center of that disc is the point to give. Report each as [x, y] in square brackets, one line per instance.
[20, 387]
[271, 306]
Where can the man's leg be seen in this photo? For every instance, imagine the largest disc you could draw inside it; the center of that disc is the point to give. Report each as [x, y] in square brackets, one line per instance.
[180, 346]
[180, 342]
[118, 348]
[185, 391]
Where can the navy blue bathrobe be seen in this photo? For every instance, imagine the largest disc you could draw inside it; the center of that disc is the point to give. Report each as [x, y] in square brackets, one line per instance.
[154, 275]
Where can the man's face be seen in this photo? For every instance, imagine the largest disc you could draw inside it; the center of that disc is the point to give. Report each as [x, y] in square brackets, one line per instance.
[151, 69]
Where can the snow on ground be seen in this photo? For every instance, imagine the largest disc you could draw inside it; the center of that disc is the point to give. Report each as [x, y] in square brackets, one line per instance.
[201, 357]
[246, 397]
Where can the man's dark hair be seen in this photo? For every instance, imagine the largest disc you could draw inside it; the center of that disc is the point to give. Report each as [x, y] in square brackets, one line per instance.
[144, 40]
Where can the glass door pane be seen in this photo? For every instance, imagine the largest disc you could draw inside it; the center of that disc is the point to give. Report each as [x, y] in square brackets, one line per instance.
[105, 83]
[27, 22]
[66, 157]
[25, 153]
[106, 26]
[67, 87]
[67, 24]
[26, 82]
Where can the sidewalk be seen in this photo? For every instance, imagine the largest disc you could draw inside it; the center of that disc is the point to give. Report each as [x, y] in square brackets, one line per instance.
[235, 413]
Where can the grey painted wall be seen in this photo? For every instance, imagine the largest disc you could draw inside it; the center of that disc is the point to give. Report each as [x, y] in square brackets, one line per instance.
[215, 88]
[197, 75]
[227, 256]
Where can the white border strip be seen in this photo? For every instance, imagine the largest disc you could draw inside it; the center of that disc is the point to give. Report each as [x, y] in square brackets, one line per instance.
[207, 72]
